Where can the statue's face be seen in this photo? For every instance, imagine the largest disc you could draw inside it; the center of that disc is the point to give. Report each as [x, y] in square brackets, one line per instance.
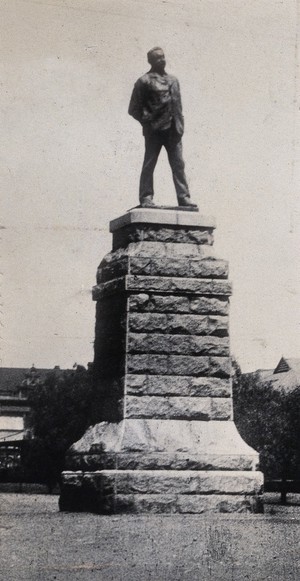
[158, 61]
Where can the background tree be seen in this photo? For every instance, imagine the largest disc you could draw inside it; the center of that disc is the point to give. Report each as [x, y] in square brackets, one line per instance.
[268, 419]
[61, 411]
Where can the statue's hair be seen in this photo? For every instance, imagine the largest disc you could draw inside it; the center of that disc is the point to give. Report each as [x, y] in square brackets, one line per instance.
[150, 53]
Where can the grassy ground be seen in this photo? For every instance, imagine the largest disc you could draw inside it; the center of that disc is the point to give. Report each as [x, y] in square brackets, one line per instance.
[38, 543]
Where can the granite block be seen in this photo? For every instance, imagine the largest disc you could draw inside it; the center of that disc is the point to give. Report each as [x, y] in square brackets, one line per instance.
[177, 344]
[172, 407]
[178, 323]
[173, 385]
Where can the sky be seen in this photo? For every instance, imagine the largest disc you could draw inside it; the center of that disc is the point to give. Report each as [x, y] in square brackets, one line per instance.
[71, 158]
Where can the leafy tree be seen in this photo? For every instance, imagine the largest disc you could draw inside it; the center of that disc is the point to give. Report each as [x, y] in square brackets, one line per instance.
[268, 419]
[60, 413]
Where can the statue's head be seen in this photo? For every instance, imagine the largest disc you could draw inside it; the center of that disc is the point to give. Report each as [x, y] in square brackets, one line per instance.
[156, 58]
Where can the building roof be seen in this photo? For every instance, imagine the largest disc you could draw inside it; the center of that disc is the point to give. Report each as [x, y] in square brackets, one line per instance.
[286, 374]
[11, 378]
[294, 365]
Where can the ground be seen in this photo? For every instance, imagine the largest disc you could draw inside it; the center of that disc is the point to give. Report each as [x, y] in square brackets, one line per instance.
[38, 543]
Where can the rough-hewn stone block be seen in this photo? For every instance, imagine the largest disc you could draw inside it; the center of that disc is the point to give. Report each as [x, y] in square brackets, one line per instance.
[107, 289]
[112, 269]
[162, 285]
[191, 408]
[197, 324]
[72, 478]
[160, 491]
[221, 409]
[180, 324]
[189, 482]
[147, 322]
[140, 265]
[168, 250]
[176, 284]
[147, 302]
[209, 305]
[147, 364]
[158, 461]
[158, 303]
[159, 233]
[208, 268]
[178, 365]
[172, 385]
[177, 344]
[116, 265]
[181, 461]
[177, 267]
[188, 365]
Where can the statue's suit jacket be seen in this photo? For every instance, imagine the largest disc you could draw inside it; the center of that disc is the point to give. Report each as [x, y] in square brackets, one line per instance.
[146, 93]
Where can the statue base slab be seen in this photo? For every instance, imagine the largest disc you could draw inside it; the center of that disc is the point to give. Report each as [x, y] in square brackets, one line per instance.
[193, 208]
[162, 491]
[142, 465]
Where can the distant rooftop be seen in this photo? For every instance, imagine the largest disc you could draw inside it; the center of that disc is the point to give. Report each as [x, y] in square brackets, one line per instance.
[12, 378]
[286, 374]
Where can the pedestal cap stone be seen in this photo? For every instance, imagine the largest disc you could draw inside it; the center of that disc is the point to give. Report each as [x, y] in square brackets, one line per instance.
[162, 225]
[162, 217]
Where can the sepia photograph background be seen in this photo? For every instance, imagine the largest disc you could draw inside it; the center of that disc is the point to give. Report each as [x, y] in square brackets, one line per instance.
[71, 158]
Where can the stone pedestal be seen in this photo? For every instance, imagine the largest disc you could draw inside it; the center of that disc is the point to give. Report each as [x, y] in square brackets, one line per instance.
[166, 441]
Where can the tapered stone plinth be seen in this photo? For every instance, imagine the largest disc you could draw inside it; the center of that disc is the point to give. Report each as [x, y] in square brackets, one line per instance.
[166, 441]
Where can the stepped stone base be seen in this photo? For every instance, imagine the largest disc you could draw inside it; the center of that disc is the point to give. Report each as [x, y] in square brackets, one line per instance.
[165, 441]
[165, 491]
[140, 465]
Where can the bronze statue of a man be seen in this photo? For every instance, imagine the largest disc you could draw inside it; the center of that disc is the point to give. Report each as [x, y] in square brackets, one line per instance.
[156, 104]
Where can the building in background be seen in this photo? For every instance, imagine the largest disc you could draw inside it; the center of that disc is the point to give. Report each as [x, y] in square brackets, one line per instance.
[15, 385]
[285, 376]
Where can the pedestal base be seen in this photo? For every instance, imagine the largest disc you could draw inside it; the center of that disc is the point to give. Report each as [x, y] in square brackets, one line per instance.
[165, 491]
[166, 441]
[159, 466]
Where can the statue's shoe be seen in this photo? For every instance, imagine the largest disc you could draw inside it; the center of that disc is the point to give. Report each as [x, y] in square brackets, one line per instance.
[148, 204]
[187, 202]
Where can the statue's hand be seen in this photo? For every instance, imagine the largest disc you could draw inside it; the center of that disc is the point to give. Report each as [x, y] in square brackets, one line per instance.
[146, 116]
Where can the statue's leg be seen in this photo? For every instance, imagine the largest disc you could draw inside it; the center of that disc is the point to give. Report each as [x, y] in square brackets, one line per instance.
[153, 146]
[174, 149]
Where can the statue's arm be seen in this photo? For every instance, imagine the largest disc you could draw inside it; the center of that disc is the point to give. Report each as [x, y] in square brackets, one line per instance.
[178, 96]
[136, 102]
